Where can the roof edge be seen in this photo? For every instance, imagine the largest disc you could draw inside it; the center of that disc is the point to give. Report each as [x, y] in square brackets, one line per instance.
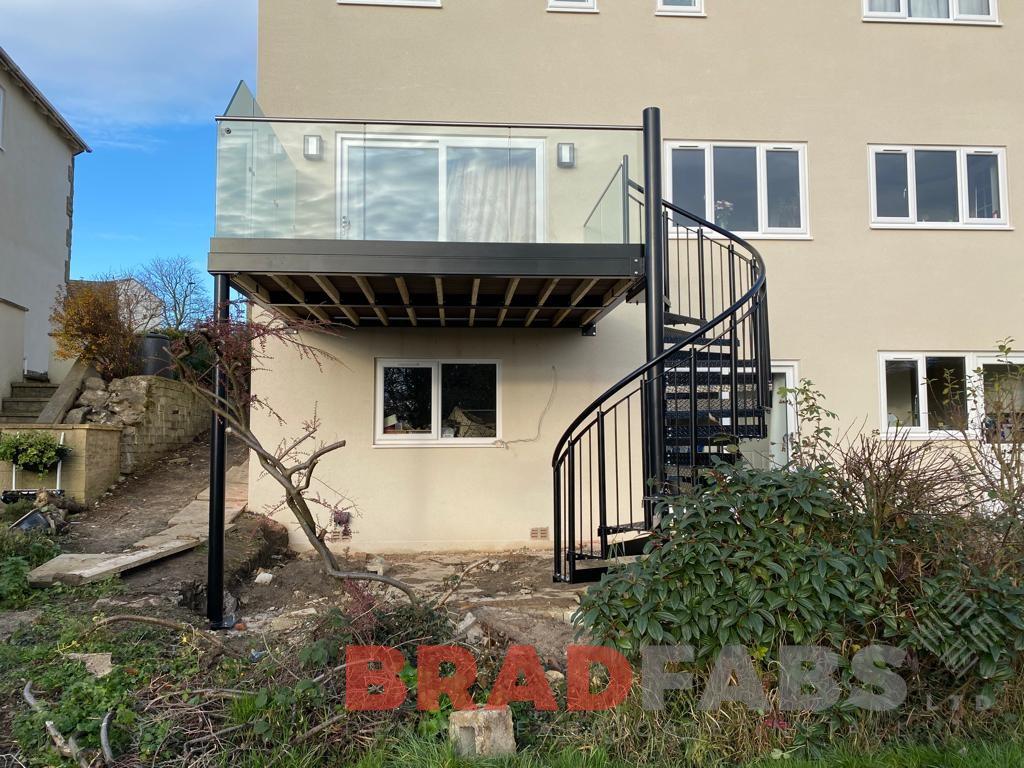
[45, 106]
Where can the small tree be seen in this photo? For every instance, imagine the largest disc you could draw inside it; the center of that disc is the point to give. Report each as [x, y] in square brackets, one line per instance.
[988, 411]
[181, 288]
[89, 324]
[239, 347]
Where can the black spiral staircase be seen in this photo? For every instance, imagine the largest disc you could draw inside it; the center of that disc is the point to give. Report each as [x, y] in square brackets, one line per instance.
[704, 392]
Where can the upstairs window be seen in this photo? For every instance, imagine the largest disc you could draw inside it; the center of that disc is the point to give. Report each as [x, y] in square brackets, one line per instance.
[938, 187]
[680, 8]
[584, 6]
[749, 189]
[966, 11]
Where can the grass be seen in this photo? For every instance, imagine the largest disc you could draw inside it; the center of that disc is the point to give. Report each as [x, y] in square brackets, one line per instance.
[980, 755]
[410, 752]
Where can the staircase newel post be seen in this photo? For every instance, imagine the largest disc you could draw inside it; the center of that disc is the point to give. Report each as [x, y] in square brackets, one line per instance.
[218, 447]
[654, 273]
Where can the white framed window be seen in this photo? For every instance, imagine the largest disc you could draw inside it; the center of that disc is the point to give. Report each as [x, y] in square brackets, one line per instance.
[923, 393]
[928, 395]
[428, 188]
[933, 11]
[752, 189]
[932, 187]
[409, 3]
[577, 6]
[782, 420]
[680, 8]
[437, 402]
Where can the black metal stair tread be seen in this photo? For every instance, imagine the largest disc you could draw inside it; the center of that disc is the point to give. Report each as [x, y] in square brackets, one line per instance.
[685, 415]
[672, 336]
[712, 432]
[673, 319]
[703, 460]
[625, 528]
[707, 359]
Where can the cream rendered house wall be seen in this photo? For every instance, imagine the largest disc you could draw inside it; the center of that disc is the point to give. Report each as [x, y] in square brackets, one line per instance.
[35, 185]
[12, 344]
[799, 71]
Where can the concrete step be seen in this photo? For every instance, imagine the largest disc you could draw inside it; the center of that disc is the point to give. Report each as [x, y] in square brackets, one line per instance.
[16, 420]
[23, 406]
[32, 389]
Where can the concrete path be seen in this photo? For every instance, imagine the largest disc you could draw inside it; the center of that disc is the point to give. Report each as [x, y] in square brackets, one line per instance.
[186, 529]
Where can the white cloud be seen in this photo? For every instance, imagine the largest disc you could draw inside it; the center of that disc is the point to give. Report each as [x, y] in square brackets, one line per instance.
[113, 66]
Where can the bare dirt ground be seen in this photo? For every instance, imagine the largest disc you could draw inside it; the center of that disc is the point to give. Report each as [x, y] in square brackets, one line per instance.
[141, 504]
[508, 593]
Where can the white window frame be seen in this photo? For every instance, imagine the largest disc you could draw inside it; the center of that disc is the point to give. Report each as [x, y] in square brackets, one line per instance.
[346, 141]
[911, 222]
[955, 16]
[434, 439]
[404, 3]
[791, 370]
[765, 232]
[972, 362]
[573, 6]
[674, 10]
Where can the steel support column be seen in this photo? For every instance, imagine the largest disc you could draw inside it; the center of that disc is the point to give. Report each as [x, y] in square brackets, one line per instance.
[218, 437]
[654, 272]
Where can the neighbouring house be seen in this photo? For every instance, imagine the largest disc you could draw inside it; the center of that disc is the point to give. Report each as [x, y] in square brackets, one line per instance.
[37, 170]
[554, 314]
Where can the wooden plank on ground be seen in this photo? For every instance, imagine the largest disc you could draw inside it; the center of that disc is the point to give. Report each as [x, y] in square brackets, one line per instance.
[74, 570]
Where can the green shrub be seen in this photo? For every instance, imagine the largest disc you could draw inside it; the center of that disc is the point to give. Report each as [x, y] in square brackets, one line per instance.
[12, 512]
[758, 558]
[19, 554]
[33, 451]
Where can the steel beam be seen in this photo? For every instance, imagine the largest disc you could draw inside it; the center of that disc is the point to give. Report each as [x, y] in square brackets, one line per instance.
[218, 476]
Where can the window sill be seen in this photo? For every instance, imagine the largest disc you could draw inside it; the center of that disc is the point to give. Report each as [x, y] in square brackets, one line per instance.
[573, 10]
[947, 227]
[940, 22]
[487, 443]
[922, 437]
[682, 14]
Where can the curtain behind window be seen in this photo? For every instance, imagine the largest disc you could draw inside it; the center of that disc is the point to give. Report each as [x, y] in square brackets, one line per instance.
[884, 6]
[929, 9]
[492, 195]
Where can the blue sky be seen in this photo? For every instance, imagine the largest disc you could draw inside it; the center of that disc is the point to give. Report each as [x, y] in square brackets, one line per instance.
[141, 80]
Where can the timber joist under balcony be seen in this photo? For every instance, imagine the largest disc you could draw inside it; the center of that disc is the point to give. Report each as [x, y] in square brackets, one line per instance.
[415, 284]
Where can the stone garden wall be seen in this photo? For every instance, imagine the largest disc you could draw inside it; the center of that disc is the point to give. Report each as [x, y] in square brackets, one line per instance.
[157, 416]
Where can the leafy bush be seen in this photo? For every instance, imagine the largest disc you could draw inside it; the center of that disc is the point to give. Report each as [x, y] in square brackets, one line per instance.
[90, 323]
[11, 512]
[34, 451]
[758, 558]
[20, 553]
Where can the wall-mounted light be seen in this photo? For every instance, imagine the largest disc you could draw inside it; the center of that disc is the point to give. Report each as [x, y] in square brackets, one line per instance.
[566, 155]
[313, 147]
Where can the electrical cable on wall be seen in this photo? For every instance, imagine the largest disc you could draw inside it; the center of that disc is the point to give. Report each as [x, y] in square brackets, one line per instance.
[540, 420]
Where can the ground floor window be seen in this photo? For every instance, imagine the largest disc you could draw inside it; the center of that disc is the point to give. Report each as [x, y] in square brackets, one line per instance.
[451, 402]
[933, 394]
[782, 423]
